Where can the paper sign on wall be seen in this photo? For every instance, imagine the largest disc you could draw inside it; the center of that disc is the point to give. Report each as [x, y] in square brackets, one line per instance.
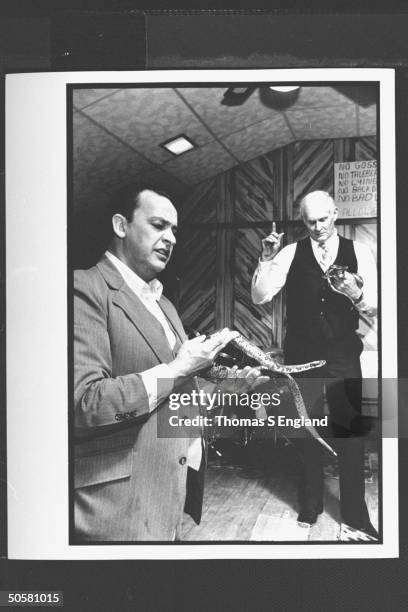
[355, 188]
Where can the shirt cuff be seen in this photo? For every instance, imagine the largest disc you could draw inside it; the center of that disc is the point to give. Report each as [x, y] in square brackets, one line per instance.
[362, 306]
[159, 383]
[195, 454]
[262, 268]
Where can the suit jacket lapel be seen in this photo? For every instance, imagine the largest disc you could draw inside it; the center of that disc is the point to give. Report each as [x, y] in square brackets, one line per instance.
[142, 319]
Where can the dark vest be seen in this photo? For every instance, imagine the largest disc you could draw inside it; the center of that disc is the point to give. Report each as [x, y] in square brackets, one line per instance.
[315, 312]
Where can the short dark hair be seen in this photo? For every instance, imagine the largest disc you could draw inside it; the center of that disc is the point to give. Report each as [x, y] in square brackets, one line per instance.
[126, 199]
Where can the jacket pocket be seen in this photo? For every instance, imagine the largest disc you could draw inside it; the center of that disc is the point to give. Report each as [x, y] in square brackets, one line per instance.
[102, 467]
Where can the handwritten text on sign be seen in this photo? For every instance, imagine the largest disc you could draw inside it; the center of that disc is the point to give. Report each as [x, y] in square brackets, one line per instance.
[355, 188]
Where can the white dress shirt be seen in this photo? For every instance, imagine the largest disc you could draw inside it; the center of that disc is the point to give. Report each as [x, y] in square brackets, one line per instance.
[270, 276]
[149, 294]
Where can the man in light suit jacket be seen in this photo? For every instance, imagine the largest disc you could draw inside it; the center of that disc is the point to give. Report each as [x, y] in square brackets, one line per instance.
[131, 353]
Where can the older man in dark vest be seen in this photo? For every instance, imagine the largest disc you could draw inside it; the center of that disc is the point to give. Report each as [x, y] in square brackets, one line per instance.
[322, 321]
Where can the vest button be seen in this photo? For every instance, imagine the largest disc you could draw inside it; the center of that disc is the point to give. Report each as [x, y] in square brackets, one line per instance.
[182, 460]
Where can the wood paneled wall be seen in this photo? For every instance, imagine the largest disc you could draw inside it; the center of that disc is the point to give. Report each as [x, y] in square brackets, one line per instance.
[223, 221]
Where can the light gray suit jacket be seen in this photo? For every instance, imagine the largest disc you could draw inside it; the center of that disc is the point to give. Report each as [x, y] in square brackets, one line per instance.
[130, 484]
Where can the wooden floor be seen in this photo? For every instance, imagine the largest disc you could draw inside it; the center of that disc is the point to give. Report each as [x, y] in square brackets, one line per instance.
[250, 495]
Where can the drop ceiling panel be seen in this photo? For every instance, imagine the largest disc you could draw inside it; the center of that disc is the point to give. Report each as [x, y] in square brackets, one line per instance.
[199, 164]
[117, 136]
[100, 158]
[145, 118]
[334, 122]
[164, 180]
[317, 97]
[83, 97]
[225, 119]
[259, 138]
[368, 121]
[89, 196]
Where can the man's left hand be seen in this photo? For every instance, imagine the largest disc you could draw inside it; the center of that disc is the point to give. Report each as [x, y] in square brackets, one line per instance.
[347, 285]
[243, 380]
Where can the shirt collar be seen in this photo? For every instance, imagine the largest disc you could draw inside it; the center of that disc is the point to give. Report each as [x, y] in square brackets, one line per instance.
[150, 290]
[331, 243]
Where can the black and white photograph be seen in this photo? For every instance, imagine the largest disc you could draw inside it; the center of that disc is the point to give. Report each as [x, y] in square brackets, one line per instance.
[215, 245]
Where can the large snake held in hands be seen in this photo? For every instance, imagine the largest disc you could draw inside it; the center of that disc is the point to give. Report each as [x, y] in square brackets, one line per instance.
[219, 372]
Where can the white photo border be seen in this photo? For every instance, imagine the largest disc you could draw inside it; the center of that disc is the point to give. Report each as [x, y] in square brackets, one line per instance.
[37, 311]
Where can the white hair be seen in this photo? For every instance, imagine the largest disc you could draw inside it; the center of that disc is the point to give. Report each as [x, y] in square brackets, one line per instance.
[321, 197]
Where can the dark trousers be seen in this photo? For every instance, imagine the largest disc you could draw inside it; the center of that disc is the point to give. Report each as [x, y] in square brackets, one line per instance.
[342, 379]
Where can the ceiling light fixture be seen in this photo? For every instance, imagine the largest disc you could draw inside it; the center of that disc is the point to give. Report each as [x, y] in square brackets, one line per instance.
[279, 97]
[285, 88]
[235, 96]
[178, 145]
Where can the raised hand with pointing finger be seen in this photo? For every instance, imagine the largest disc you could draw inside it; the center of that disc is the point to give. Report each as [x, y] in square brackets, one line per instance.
[271, 244]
